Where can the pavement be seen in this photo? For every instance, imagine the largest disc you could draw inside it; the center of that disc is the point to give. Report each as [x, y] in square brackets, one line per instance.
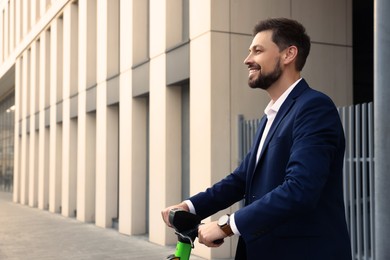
[30, 233]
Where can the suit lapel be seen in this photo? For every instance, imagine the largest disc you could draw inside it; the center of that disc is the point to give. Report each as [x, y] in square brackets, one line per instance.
[283, 111]
[260, 131]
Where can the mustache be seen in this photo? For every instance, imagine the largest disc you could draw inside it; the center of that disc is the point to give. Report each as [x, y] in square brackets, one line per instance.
[254, 66]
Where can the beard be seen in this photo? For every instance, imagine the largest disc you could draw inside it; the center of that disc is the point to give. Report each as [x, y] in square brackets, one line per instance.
[264, 81]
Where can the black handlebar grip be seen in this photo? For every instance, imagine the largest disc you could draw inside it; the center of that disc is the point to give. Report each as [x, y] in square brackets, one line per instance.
[218, 241]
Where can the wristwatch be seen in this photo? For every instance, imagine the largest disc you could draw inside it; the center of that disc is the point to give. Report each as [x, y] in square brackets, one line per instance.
[224, 224]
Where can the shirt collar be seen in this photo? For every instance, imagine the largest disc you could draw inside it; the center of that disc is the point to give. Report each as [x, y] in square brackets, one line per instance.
[273, 108]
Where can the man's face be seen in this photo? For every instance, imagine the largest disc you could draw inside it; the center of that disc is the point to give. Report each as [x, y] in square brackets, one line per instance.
[263, 61]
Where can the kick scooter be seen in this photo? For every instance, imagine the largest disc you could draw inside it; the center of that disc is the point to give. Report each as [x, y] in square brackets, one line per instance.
[186, 228]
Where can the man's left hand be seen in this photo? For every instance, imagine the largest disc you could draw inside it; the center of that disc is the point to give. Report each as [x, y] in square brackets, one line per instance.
[209, 233]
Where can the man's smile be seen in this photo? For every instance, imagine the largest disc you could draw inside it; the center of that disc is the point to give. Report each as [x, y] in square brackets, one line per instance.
[253, 69]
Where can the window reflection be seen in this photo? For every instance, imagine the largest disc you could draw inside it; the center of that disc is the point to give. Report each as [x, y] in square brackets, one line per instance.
[7, 115]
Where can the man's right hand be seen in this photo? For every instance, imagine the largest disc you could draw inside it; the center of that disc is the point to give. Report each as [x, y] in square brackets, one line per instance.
[165, 212]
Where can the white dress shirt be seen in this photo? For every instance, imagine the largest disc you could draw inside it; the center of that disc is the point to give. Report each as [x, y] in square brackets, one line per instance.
[271, 110]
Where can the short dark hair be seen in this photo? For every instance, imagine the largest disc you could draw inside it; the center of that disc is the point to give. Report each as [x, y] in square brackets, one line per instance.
[287, 32]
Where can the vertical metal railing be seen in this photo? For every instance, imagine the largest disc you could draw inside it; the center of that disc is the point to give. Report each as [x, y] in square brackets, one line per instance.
[358, 122]
[358, 173]
[246, 133]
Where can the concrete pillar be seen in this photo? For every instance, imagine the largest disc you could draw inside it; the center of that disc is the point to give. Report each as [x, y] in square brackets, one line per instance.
[382, 128]
[140, 31]
[44, 151]
[26, 25]
[33, 151]
[106, 160]
[209, 86]
[69, 138]
[107, 39]
[86, 162]
[17, 150]
[125, 114]
[132, 147]
[43, 6]
[12, 26]
[87, 30]
[165, 134]
[107, 117]
[165, 149]
[1, 41]
[44, 132]
[55, 163]
[38, 12]
[24, 162]
[34, 6]
[55, 167]
[18, 21]
[86, 122]
[70, 50]
[69, 162]
[5, 33]
[133, 162]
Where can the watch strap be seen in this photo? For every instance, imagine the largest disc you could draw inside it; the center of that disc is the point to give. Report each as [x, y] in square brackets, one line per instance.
[226, 226]
[227, 230]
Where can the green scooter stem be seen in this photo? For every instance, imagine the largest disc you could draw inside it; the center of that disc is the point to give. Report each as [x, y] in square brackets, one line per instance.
[183, 250]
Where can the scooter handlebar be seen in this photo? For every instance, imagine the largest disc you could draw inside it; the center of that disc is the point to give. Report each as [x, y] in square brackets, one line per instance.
[186, 225]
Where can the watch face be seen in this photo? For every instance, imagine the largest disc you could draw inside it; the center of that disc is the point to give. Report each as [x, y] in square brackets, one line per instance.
[223, 220]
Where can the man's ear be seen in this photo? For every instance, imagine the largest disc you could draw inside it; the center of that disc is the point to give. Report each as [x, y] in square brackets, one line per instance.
[290, 54]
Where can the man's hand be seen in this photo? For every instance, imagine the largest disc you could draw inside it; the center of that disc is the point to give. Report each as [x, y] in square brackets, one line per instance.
[165, 212]
[209, 233]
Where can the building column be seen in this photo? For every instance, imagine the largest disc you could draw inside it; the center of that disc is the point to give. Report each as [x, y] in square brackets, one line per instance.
[126, 174]
[18, 21]
[34, 11]
[55, 163]
[1, 41]
[132, 147]
[106, 160]
[25, 12]
[17, 139]
[43, 6]
[5, 33]
[24, 162]
[209, 123]
[86, 163]
[86, 121]
[55, 112]
[107, 151]
[382, 128]
[69, 137]
[33, 151]
[44, 131]
[165, 134]
[12, 26]
[69, 162]
[132, 161]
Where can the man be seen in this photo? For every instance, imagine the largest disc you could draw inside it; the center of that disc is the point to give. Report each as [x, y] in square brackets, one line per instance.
[291, 178]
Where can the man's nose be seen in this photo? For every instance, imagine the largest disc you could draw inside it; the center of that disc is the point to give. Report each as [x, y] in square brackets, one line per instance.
[247, 60]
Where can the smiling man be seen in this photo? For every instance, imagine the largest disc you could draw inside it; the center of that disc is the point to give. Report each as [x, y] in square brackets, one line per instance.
[291, 179]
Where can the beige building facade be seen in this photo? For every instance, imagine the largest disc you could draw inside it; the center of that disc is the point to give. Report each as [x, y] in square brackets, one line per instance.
[124, 107]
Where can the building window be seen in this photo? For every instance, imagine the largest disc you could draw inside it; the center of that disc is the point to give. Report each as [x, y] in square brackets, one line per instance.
[7, 115]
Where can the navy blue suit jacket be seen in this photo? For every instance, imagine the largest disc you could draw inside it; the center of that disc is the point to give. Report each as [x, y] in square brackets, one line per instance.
[294, 205]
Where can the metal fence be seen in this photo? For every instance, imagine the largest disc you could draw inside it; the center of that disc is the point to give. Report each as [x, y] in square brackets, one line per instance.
[358, 173]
